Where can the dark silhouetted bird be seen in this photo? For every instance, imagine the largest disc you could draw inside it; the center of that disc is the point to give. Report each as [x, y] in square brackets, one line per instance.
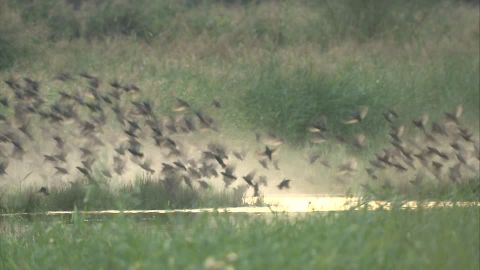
[203, 184]
[84, 171]
[60, 170]
[44, 191]
[285, 183]
[264, 163]
[228, 175]
[268, 152]
[249, 178]
[3, 167]
[216, 103]
[106, 173]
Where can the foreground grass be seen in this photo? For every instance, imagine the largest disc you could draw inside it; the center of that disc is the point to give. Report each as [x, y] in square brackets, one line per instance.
[445, 238]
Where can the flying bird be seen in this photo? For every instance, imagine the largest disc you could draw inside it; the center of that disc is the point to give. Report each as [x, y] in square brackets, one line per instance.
[357, 116]
[455, 116]
[421, 122]
[181, 105]
[390, 116]
[319, 126]
[268, 152]
[44, 191]
[285, 183]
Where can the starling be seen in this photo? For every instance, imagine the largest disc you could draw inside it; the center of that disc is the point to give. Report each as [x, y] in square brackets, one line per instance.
[359, 141]
[421, 122]
[84, 171]
[146, 165]
[390, 116]
[371, 173]
[180, 165]
[357, 116]
[348, 167]
[454, 173]
[268, 152]
[203, 184]
[273, 140]
[439, 129]
[106, 173]
[60, 170]
[3, 167]
[285, 183]
[59, 142]
[275, 165]
[397, 132]
[118, 165]
[455, 116]
[313, 157]
[216, 104]
[228, 176]
[437, 165]
[220, 161]
[49, 158]
[44, 191]
[239, 155]
[325, 163]
[318, 138]
[181, 105]
[264, 164]
[64, 77]
[262, 180]
[188, 181]
[4, 101]
[249, 178]
[319, 126]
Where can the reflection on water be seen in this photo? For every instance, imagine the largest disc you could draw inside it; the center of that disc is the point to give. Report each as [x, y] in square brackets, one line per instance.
[321, 203]
[298, 203]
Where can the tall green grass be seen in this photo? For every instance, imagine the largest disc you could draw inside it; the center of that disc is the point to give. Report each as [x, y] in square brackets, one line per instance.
[445, 238]
[272, 22]
[289, 100]
[144, 193]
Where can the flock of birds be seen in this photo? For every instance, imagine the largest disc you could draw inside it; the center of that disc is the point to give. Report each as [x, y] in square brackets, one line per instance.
[76, 124]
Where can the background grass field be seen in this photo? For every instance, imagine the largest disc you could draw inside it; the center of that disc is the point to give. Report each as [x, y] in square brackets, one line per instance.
[275, 65]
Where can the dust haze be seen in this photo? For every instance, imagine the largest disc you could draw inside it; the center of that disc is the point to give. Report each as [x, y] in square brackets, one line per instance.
[105, 132]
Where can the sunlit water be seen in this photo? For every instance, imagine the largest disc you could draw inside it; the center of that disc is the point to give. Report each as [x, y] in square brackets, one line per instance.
[298, 203]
